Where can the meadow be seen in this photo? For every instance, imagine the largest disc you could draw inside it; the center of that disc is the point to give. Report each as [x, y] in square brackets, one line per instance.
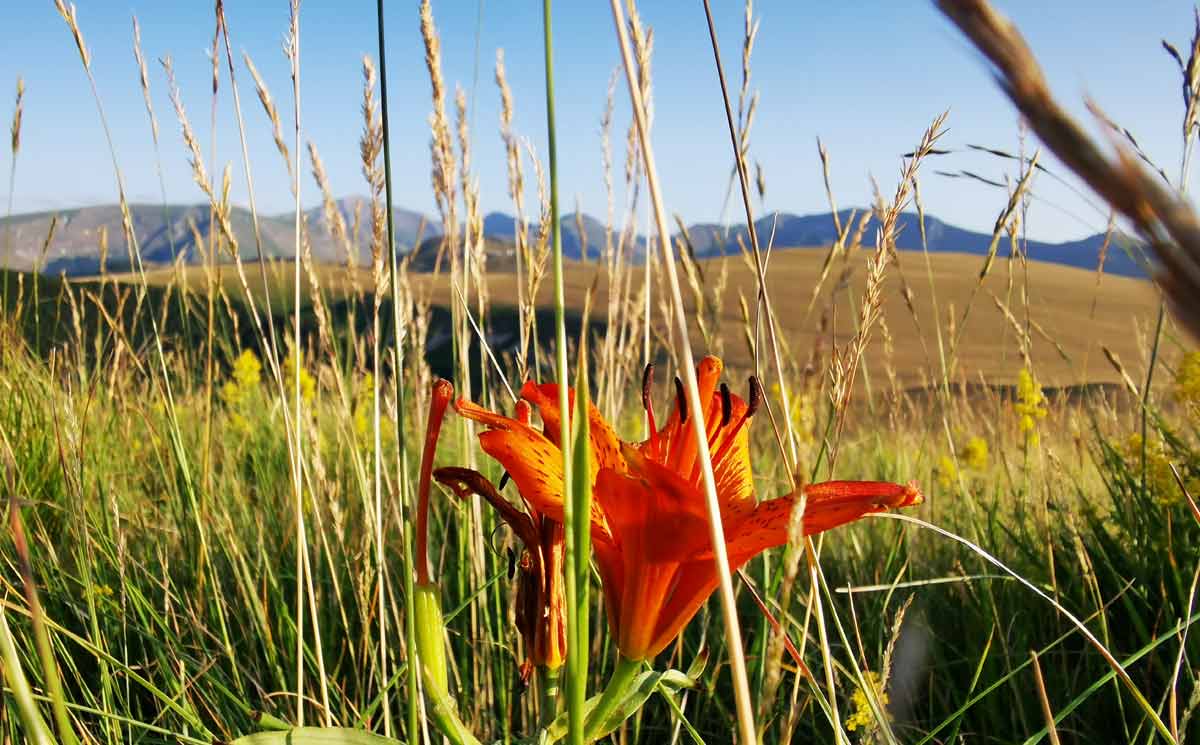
[221, 526]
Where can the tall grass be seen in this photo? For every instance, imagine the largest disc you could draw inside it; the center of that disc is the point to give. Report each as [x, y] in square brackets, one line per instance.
[1046, 590]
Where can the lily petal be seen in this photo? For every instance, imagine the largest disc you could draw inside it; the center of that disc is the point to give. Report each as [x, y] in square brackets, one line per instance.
[464, 482]
[606, 447]
[830, 504]
[653, 527]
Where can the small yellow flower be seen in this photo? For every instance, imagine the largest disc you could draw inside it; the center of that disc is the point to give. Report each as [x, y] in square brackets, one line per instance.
[239, 390]
[947, 472]
[974, 455]
[1187, 383]
[863, 716]
[308, 386]
[1160, 480]
[1030, 406]
[364, 417]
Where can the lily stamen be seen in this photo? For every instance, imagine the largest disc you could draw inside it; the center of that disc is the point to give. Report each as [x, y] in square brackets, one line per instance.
[754, 400]
[648, 405]
[681, 400]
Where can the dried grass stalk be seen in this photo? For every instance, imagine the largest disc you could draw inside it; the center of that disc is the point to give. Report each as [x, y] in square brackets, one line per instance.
[1167, 223]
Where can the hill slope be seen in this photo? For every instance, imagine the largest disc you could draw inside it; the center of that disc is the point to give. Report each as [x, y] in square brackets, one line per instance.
[1068, 333]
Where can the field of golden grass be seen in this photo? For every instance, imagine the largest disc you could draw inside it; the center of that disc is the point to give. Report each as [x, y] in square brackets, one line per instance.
[1072, 316]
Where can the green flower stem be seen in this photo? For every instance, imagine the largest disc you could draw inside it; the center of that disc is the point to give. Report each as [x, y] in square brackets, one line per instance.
[623, 676]
[431, 653]
[548, 678]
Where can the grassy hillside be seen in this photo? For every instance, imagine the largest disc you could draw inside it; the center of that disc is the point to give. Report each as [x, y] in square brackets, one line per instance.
[1061, 302]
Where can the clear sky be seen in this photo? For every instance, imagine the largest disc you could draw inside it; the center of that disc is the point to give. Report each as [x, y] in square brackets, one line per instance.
[865, 77]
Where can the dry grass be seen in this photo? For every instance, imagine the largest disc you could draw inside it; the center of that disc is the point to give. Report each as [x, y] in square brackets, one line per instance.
[1061, 301]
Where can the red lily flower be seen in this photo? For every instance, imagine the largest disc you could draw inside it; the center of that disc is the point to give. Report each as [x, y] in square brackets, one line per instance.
[649, 523]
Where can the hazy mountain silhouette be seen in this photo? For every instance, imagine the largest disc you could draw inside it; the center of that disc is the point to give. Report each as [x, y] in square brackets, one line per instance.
[181, 232]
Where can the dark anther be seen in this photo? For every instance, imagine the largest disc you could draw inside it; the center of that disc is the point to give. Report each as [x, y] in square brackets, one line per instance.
[504, 477]
[756, 396]
[647, 384]
[726, 405]
[681, 399]
[512, 564]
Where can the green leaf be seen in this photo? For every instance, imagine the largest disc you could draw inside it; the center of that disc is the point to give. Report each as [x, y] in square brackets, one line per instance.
[633, 698]
[35, 727]
[316, 736]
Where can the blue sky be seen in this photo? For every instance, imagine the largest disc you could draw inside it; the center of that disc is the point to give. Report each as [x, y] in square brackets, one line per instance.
[865, 77]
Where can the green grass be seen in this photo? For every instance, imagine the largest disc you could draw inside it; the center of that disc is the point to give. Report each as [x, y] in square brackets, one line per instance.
[135, 611]
[163, 584]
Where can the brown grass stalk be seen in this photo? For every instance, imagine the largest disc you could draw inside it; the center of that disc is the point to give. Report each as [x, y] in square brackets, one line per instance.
[1167, 222]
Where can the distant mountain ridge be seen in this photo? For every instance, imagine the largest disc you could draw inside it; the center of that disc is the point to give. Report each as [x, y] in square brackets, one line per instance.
[166, 233]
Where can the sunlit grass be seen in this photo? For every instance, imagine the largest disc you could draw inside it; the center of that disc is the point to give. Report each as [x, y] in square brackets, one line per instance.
[211, 507]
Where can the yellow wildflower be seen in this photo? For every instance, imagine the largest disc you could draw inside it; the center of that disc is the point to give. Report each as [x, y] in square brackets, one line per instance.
[1029, 407]
[863, 716]
[947, 472]
[1160, 481]
[240, 389]
[364, 417]
[308, 386]
[1187, 383]
[974, 455]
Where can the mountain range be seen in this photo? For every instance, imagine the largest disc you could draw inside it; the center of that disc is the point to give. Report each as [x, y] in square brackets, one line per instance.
[165, 233]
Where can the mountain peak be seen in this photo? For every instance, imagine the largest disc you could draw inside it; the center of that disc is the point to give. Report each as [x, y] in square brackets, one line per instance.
[167, 232]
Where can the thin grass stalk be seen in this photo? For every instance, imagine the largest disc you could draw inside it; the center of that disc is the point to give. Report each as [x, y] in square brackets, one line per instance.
[18, 687]
[372, 139]
[733, 636]
[211, 267]
[144, 77]
[50, 672]
[1117, 668]
[764, 301]
[292, 48]
[575, 596]
[414, 698]
[272, 349]
[15, 147]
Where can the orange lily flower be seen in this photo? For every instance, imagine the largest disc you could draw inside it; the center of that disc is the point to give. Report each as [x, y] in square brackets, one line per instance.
[540, 613]
[649, 522]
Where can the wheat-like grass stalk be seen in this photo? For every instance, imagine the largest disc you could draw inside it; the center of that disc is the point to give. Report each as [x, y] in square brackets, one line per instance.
[270, 344]
[732, 630]
[516, 192]
[199, 172]
[15, 149]
[370, 149]
[291, 47]
[539, 257]
[1163, 219]
[144, 83]
[847, 360]
[272, 111]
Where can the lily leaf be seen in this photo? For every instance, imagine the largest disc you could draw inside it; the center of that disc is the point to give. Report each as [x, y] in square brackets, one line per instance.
[316, 736]
[635, 697]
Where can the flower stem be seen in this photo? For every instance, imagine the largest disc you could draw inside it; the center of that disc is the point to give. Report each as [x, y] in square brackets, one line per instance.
[548, 703]
[618, 685]
[574, 559]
